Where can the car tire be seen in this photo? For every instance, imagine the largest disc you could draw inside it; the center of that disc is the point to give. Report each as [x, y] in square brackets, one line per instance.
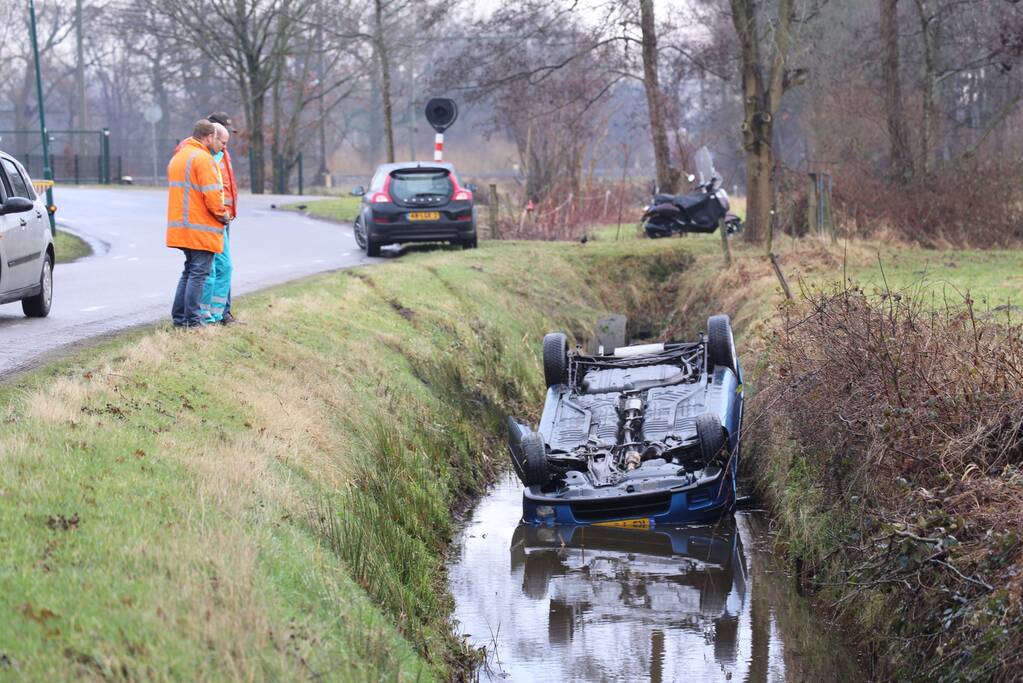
[711, 436]
[360, 235]
[555, 358]
[720, 343]
[535, 470]
[38, 306]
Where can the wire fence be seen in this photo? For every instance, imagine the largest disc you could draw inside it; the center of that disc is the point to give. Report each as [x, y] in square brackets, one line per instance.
[567, 215]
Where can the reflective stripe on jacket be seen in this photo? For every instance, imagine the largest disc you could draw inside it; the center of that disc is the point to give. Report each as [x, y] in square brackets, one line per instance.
[196, 200]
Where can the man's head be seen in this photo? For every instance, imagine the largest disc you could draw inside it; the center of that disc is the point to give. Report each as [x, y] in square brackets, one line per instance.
[222, 136]
[205, 132]
[223, 119]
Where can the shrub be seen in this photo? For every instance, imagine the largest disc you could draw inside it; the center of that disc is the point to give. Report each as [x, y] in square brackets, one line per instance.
[905, 425]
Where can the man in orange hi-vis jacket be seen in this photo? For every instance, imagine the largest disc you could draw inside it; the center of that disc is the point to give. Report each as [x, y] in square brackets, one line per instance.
[195, 217]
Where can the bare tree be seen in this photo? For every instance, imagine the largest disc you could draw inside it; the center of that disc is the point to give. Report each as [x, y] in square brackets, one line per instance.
[245, 38]
[765, 41]
[667, 177]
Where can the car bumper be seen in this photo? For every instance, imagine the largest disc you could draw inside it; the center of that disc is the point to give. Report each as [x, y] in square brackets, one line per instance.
[703, 503]
[434, 231]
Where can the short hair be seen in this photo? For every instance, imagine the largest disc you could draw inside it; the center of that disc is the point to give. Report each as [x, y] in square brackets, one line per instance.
[221, 131]
[203, 127]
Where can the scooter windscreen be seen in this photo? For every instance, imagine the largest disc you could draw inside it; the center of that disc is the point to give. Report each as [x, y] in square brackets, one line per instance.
[704, 162]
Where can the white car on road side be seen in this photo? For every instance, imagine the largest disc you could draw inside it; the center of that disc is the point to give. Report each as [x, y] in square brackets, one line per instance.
[26, 242]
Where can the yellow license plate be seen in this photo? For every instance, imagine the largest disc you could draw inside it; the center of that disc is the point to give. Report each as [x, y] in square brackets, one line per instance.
[643, 523]
[424, 216]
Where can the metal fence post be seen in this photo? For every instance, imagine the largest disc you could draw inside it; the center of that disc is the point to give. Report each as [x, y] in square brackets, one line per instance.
[301, 180]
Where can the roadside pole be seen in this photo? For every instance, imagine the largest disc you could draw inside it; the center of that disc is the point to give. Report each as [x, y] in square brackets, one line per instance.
[47, 170]
[495, 230]
[153, 113]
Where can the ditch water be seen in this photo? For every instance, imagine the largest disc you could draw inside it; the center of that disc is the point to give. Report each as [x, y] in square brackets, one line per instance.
[706, 603]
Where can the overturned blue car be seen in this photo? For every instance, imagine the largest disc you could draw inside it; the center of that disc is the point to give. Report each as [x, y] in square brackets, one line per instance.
[642, 436]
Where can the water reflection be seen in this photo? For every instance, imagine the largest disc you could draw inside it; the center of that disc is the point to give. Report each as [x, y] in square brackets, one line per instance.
[601, 603]
[657, 588]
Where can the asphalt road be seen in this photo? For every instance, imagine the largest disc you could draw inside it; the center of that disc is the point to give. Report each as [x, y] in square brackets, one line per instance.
[131, 277]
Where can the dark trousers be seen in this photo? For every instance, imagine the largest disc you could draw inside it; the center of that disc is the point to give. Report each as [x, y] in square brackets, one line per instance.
[186, 311]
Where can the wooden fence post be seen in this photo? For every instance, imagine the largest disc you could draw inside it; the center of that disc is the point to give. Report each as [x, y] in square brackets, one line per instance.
[495, 230]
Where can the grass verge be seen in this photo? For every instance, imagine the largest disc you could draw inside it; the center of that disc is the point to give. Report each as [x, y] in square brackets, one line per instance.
[70, 248]
[342, 209]
[273, 501]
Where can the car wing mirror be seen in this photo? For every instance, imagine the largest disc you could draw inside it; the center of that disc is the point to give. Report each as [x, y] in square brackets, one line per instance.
[358, 191]
[16, 205]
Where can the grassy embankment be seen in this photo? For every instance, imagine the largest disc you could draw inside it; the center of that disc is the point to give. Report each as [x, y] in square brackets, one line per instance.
[273, 501]
[70, 248]
[891, 460]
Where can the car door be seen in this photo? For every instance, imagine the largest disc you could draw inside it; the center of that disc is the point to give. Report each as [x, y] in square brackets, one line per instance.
[8, 229]
[28, 240]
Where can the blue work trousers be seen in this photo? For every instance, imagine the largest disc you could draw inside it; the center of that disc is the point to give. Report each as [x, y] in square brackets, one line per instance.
[187, 311]
[216, 295]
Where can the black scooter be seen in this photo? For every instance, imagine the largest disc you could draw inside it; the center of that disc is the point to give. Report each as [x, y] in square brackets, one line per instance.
[699, 211]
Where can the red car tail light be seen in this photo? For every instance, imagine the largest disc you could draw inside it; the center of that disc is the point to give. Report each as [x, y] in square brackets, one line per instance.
[384, 195]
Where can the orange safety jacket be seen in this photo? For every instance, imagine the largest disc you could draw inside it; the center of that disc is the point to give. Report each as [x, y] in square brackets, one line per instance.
[195, 206]
[230, 186]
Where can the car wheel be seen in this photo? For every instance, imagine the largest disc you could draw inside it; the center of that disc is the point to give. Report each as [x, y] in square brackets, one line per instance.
[711, 436]
[555, 358]
[720, 343]
[535, 469]
[38, 306]
[372, 247]
[360, 235]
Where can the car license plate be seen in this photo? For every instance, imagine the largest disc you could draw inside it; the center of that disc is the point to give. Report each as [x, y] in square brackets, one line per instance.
[643, 523]
[424, 216]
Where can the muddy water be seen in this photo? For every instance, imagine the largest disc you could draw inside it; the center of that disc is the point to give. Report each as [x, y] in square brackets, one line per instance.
[604, 604]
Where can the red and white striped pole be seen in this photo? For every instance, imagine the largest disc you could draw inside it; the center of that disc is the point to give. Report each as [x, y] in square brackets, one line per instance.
[438, 147]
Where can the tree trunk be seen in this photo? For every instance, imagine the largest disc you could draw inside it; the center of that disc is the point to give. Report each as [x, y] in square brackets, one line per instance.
[927, 28]
[900, 166]
[257, 142]
[666, 175]
[385, 78]
[760, 102]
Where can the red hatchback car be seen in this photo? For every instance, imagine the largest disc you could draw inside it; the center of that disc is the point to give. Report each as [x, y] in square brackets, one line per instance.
[416, 201]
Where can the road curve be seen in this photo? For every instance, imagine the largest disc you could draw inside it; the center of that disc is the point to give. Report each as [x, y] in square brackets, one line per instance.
[131, 278]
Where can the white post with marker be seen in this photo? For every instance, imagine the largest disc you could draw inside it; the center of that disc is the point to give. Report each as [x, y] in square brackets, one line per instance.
[438, 147]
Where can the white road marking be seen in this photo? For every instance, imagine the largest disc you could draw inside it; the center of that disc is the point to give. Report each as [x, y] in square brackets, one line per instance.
[133, 258]
[347, 253]
[118, 258]
[90, 309]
